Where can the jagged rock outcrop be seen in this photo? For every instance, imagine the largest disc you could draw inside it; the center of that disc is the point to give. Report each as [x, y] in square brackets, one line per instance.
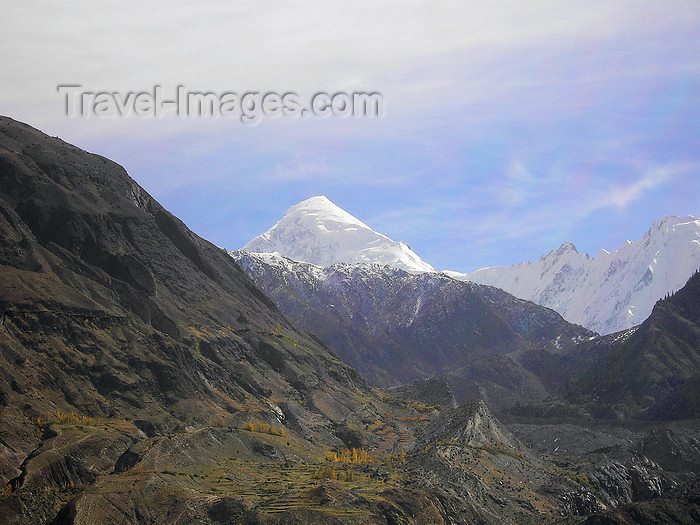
[470, 425]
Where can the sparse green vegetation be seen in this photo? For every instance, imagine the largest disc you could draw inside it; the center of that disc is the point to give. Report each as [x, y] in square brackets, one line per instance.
[501, 450]
[577, 477]
[328, 472]
[422, 407]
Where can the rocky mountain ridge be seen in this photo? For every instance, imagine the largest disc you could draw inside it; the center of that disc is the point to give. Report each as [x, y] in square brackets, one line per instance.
[120, 326]
[394, 326]
[608, 293]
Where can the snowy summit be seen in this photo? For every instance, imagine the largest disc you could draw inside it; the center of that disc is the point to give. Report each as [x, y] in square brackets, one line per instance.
[319, 232]
[610, 292]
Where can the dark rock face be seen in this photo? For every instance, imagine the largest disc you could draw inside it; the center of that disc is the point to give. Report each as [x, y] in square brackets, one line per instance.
[111, 308]
[227, 511]
[620, 483]
[675, 450]
[432, 391]
[650, 371]
[581, 503]
[395, 327]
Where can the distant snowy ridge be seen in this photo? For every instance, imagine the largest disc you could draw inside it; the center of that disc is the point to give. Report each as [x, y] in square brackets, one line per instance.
[613, 291]
[319, 232]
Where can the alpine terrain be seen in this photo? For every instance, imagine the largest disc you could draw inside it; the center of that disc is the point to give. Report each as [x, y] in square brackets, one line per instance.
[608, 293]
[394, 326]
[613, 291]
[146, 379]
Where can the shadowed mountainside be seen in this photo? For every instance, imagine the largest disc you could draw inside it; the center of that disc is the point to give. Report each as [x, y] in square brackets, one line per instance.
[394, 327]
[653, 369]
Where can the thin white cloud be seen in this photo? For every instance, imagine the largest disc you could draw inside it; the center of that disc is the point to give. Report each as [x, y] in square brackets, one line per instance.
[451, 74]
[553, 209]
[621, 196]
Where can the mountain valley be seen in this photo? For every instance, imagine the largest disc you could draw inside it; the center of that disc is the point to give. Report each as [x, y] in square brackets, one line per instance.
[147, 376]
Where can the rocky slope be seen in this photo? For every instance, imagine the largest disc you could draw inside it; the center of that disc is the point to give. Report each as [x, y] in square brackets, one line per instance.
[654, 368]
[646, 373]
[608, 293]
[613, 291]
[120, 326]
[394, 326]
[628, 469]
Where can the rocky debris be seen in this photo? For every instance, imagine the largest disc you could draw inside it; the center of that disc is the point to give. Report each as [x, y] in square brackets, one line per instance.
[471, 425]
[619, 483]
[676, 450]
[431, 391]
[580, 503]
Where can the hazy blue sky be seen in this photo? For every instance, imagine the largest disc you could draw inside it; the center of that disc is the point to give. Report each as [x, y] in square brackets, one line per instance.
[509, 128]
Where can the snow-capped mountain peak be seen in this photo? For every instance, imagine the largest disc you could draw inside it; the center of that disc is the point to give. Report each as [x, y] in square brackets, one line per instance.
[567, 247]
[613, 291]
[319, 232]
